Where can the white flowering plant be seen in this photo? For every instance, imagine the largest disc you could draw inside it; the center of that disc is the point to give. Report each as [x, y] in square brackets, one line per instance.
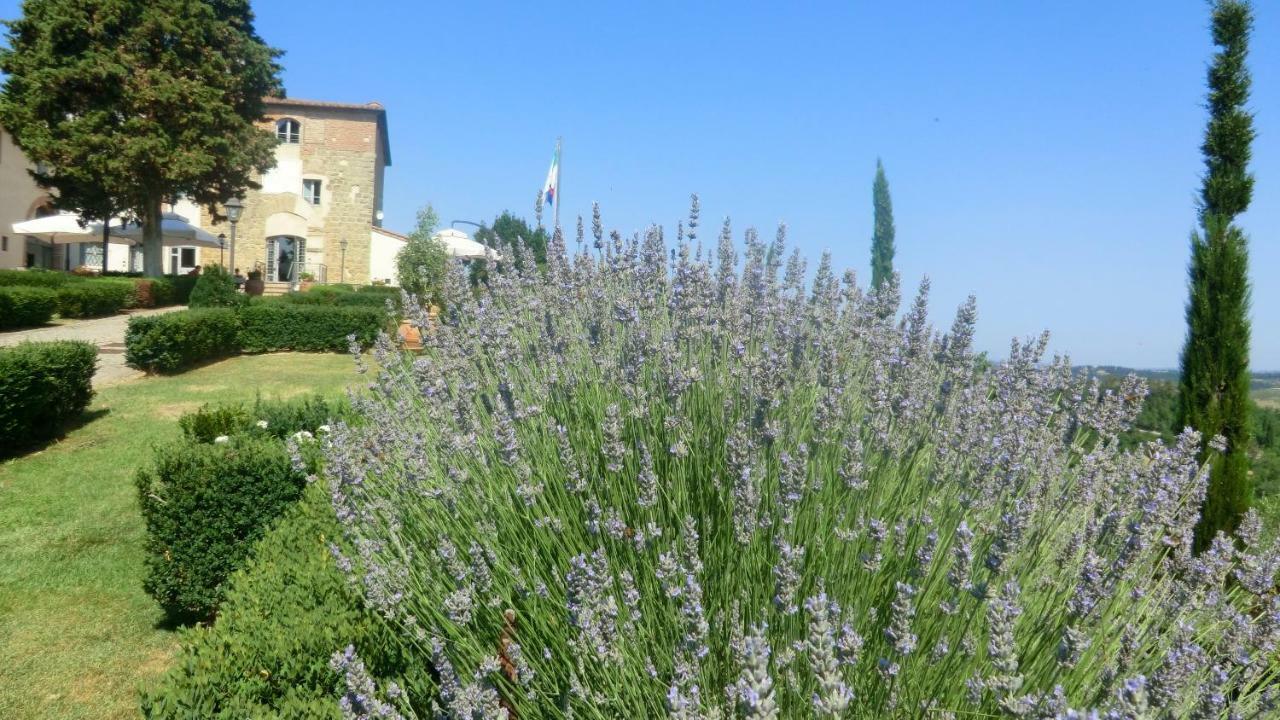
[650, 484]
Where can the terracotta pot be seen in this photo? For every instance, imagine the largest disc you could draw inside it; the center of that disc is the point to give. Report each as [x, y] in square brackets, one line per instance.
[410, 336]
[305, 285]
[254, 286]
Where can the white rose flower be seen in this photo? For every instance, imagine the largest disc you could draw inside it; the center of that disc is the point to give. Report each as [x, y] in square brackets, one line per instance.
[262, 424]
[324, 429]
[222, 439]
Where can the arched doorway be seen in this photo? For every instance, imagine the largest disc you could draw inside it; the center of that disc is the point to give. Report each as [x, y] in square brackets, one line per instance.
[40, 254]
[286, 258]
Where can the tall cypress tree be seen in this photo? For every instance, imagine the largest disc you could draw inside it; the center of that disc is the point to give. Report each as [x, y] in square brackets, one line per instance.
[882, 237]
[1214, 388]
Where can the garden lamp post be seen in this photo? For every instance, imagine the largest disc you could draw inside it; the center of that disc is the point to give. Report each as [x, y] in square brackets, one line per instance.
[234, 209]
[222, 245]
[342, 275]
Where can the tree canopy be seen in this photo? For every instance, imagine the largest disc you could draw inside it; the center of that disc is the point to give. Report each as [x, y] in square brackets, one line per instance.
[423, 263]
[130, 103]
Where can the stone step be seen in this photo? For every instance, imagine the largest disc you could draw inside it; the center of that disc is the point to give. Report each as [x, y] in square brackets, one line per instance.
[272, 289]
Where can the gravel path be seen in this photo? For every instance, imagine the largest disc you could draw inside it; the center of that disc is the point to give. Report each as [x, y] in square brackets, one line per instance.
[106, 333]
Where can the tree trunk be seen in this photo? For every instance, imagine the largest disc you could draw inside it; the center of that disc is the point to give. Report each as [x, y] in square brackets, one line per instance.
[106, 238]
[152, 239]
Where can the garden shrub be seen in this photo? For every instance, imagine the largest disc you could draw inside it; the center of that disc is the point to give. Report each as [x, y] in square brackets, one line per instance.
[215, 288]
[26, 306]
[34, 277]
[178, 340]
[379, 289]
[43, 386]
[271, 326]
[203, 506]
[284, 615]
[344, 298]
[709, 490]
[164, 291]
[283, 418]
[182, 287]
[211, 422]
[94, 298]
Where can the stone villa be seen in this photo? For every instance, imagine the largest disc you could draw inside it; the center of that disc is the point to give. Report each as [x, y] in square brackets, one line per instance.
[319, 210]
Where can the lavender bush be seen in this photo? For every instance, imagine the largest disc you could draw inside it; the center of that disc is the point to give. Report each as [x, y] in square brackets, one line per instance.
[651, 485]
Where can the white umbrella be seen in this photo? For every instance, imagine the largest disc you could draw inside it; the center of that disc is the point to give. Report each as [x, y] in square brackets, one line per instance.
[174, 231]
[66, 228]
[460, 245]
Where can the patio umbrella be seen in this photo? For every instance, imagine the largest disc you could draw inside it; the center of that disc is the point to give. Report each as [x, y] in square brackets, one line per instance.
[175, 230]
[460, 245]
[66, 228]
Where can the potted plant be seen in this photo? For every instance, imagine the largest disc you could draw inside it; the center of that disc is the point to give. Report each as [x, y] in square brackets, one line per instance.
[254, 285]
[305, 281]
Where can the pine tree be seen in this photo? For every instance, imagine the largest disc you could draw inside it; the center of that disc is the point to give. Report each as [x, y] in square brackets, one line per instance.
[1214, 387]
[882, 238]
[132, 103]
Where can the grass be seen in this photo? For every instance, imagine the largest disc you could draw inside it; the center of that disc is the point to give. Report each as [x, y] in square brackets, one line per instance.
[78, 636]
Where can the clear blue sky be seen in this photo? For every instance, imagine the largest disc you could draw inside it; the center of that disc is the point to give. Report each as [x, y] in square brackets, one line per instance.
[1043, 156]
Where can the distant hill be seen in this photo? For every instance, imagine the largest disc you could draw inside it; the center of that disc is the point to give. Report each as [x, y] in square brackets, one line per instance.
[1265, 385]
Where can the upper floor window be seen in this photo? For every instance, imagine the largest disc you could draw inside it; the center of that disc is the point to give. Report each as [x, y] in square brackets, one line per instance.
[311, 191]
[288, 130]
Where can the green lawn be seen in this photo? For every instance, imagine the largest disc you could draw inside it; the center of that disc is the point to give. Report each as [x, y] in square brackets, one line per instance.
[77, 634]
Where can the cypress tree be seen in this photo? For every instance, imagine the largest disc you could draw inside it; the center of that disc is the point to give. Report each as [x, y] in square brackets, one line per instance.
[882, 237]
[1214, 386]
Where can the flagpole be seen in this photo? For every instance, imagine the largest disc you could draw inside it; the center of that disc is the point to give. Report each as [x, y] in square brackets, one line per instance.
[559, 172]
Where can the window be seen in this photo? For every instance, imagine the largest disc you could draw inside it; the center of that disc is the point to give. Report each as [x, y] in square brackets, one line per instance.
[4, 243]
[288, 131]
[311, 191]
[188, 257]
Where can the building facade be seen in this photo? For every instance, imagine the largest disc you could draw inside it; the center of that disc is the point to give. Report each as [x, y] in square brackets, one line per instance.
[318, 208]
[21, 199]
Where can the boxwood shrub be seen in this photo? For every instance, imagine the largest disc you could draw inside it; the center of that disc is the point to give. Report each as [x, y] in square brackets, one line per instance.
[182, 287]
[26, 306]
[203, 506]
[215, 288]
[42, 387]
[270, 326]
[284, 615]
[325, 295]
[34, 278]
[94, 298]
[178, 340]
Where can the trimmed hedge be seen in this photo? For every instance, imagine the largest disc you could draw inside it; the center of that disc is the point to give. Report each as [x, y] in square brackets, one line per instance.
[26, 306]
[203, 506]
[35, 278]
[270, 326]
[285, 614]
[94, 298]
[42, 387]
[177, 340]
[342, 298]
